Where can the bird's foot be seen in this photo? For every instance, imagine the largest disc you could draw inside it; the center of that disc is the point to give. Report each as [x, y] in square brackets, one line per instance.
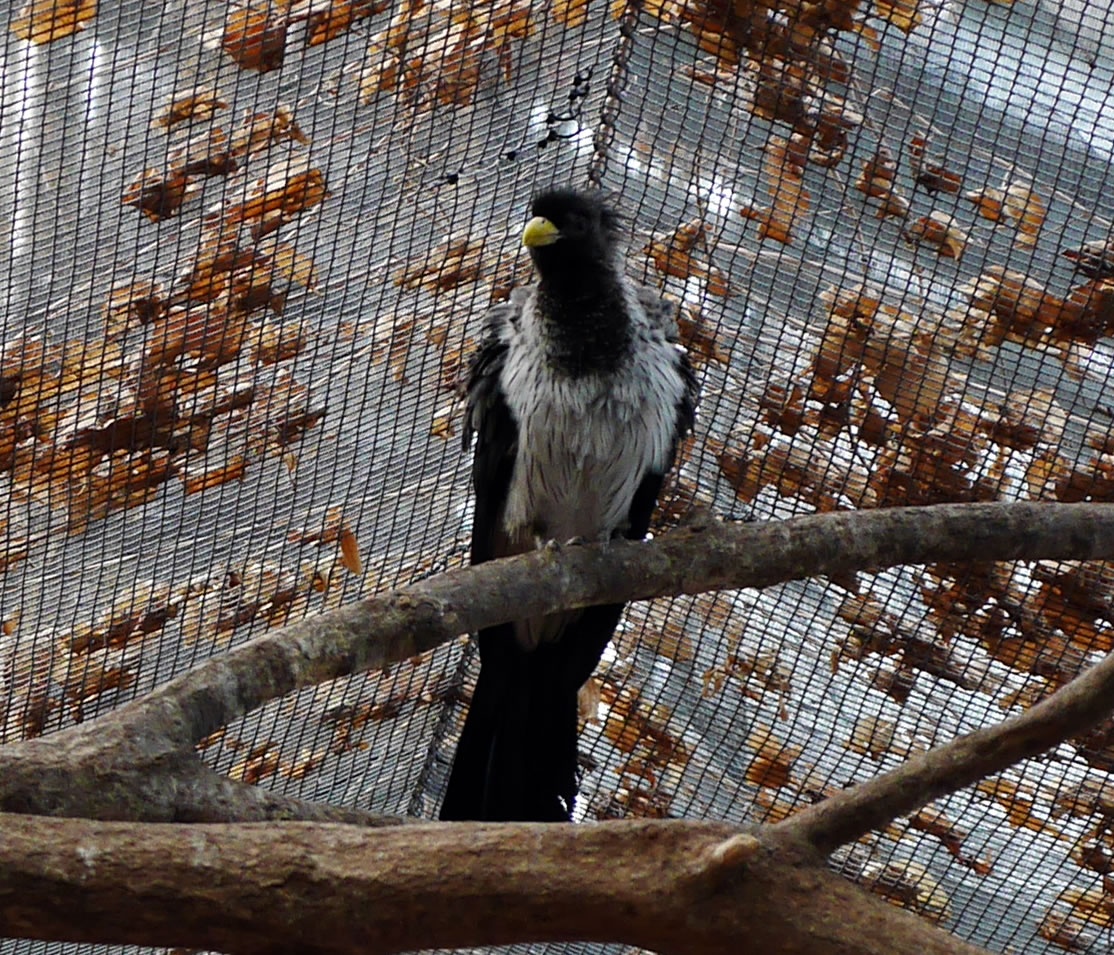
[552, 544]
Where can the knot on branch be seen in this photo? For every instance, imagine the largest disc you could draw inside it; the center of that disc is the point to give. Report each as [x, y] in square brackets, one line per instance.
[725, 859]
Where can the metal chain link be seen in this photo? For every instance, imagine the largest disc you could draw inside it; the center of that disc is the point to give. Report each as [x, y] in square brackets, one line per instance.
[616, 86]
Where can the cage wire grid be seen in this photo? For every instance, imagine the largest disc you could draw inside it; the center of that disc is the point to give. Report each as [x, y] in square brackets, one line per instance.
[246, 250]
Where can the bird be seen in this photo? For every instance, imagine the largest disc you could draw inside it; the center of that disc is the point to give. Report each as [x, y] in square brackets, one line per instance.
[1095, 259]
[577, 398]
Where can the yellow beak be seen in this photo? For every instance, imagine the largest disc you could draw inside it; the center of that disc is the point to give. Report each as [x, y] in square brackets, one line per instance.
[539, 231]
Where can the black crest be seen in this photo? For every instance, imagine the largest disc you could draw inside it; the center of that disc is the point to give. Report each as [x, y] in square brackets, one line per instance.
[581, 216]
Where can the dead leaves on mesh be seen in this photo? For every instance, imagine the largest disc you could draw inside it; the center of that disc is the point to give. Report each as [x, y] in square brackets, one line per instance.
[443, 53]
[789, 199]
[652, 758]
[683, 253]
[44, 21]
[1006, 305]
[160, 192]
[289, 187]
[256, 33]
[189, 380]
[259, 591]
[876, 632]
[700, 338]
[1018, 802]
[800, 38]
[387, 695]
[774, 759]
[948, 833]
[255, 36]
[758, 676]
[883, 376]
[1014, 203]
[328, 21]
[401, 689]
[1038, 621]
[80, 667]
[807, 474]
[906, 884]
[456, 261]
[196, 393]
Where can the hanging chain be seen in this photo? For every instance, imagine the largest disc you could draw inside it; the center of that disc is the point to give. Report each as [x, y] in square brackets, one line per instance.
[616, 86]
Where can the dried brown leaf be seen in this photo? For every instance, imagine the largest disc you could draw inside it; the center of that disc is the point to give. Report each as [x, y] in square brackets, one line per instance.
[192, 107]
[930, 173]
[295, 266]
[789, 198]
[570, 13]
[159, 195]
[453, 263]
[255, 37]
[44, 21]
[675, 254]
[290, 187]
[350, 552]
[260, 131]
[903, 14]
[773, 763]
[261, 763]
[338, 18]
[876, 180]
[939, 231]
[699, 336]
[1025, 208]
[988, 202]
[197, 480]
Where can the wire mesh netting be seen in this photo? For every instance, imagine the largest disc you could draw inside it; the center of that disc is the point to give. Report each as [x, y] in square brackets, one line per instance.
[247, 248]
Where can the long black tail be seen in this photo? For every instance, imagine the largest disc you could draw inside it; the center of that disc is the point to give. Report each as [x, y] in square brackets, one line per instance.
[517, 756]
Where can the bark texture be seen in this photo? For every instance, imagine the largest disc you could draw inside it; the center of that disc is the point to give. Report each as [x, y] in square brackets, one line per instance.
[672, 887]
[321, 886]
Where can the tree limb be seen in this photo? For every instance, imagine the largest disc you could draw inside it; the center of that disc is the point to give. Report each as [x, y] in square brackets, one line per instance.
[124, 765]
[673, 887]
[946, 769]
[689, 560]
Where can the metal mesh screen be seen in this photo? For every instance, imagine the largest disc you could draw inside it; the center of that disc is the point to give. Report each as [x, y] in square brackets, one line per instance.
[246, 248]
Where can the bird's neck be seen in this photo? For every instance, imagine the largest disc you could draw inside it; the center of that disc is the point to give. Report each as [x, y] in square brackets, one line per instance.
[585, 322]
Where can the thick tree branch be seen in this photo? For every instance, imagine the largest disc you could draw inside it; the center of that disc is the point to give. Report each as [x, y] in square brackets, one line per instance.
[98, 772]
[672, 887]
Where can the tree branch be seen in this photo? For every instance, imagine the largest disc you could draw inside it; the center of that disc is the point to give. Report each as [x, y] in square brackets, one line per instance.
[673, 887]
[688, 560]
[946, 769]
[123, 765]
[97, 771]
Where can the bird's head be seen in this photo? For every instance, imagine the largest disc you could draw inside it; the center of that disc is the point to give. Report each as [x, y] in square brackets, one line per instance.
[571, 233]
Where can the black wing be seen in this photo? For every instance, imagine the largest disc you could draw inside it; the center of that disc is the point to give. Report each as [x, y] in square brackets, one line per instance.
[490, 423]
